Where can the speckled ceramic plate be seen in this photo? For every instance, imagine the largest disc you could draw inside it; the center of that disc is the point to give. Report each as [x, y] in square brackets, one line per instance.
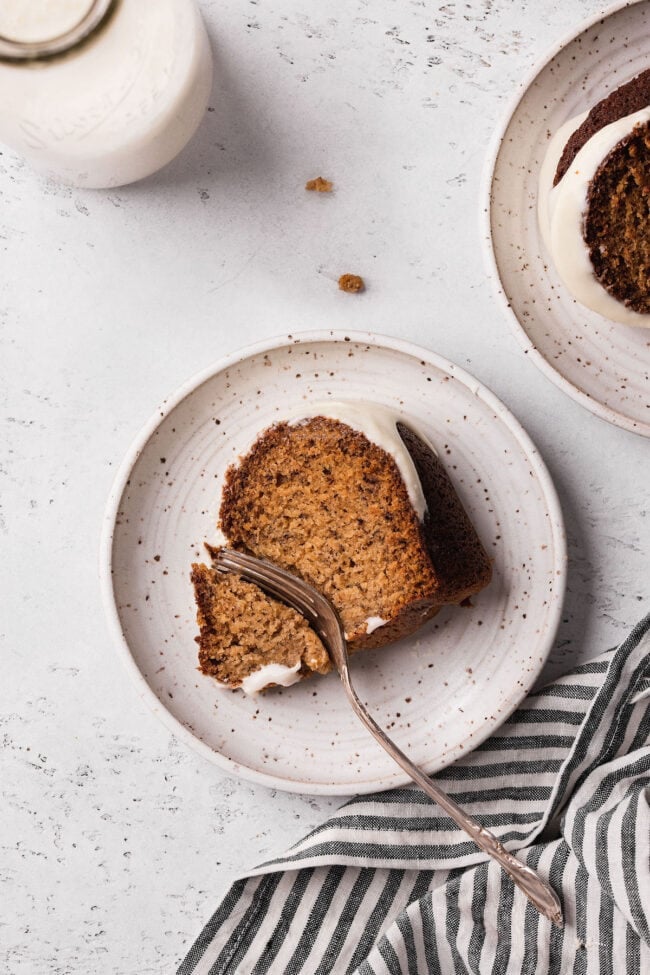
[438, 693]
[603, 365]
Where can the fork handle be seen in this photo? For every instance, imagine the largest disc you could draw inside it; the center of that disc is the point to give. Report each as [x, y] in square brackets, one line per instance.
[536, 889]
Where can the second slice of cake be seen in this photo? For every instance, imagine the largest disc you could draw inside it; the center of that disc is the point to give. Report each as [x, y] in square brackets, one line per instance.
[593, 204]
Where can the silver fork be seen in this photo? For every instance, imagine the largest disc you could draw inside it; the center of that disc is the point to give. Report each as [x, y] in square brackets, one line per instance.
[320, 613]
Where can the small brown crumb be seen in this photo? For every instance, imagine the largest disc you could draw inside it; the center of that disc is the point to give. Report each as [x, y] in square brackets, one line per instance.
[319, 185]
[351, 283]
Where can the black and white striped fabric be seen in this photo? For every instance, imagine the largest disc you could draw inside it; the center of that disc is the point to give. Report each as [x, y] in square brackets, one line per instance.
[389, 886]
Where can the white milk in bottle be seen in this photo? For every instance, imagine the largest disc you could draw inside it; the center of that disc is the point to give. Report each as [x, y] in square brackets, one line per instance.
[99, 93]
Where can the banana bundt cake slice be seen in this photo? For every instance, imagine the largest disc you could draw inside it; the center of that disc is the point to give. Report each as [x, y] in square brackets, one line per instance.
[358, 505]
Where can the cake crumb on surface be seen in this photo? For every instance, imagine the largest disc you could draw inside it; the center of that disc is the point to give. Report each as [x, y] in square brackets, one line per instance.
[319, 185]
[351, 283]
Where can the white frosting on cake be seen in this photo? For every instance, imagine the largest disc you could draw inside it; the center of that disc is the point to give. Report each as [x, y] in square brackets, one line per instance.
[562, 209]
[270, 674]
[218, 539]
[373, 623]
[379, 425]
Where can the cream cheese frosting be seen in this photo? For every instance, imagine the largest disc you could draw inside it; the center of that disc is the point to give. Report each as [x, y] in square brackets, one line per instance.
[270, 674]
[373, 623]
[562, 209]
[379, 425]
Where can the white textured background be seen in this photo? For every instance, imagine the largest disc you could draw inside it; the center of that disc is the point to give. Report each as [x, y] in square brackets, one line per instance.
[116, 841]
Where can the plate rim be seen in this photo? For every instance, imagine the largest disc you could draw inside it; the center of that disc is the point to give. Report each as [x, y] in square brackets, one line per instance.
[594, 406]
[146, 693]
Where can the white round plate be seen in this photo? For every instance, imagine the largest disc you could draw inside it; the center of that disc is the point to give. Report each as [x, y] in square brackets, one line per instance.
[603, 365]
[438, 693]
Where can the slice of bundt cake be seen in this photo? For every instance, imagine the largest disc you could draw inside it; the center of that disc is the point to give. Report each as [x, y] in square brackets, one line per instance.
[359, 506]
[593, 204]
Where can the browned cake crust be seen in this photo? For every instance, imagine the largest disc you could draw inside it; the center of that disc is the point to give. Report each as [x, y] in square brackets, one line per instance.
[617, 221]
[459, 561]
[242, 630]
[324, 502]
[626, 100]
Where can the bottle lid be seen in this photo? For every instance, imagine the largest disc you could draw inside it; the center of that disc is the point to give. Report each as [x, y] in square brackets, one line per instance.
[39, 29]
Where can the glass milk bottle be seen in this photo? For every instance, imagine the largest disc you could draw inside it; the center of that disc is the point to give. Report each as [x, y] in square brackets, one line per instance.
[99, 93]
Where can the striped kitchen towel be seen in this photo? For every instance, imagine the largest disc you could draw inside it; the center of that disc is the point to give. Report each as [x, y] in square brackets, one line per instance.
[389, 885]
